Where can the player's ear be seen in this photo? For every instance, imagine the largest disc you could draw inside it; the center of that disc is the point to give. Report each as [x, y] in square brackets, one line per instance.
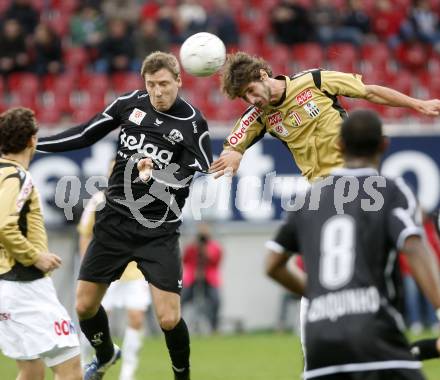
[32, 141]
[341, 145]
[179, 80]
[385, 143]
[263, 74]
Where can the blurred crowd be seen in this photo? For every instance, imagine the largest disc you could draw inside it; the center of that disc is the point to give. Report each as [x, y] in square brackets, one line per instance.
[380, 38]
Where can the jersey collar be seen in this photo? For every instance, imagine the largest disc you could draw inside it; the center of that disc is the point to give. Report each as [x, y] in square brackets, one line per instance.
[283, 97]
[358, 172]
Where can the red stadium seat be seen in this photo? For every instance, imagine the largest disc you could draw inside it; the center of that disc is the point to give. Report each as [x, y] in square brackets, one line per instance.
[48, 115]
[307, 56]
[375, 56]
[413, 56]
[276, 53]
[96, 83]
[76, 58]
[342, 57]
[23, 82]
[84, 113]
[126, 81]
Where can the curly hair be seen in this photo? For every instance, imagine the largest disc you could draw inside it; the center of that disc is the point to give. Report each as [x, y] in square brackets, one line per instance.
[241, 69]
[17, 126]
[160, 60]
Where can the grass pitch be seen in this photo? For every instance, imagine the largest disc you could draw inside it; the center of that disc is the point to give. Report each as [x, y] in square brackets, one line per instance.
[238, 357]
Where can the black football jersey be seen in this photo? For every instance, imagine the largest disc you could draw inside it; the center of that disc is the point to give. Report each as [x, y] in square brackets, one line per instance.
[177, 141]
[348, 230]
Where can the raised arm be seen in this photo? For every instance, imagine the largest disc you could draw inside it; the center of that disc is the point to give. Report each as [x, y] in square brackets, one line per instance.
[424, 268]
[85, 134]
[394, 98]
[247, 131]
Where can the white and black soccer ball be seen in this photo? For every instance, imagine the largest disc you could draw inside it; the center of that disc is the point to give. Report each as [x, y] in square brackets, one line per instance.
[202, 54]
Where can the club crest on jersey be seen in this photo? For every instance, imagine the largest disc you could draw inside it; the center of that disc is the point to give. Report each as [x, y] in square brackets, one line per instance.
[295, 118]
[174, 136]
[312, 109]
[137, 116]
[304, 96]
[245, 122]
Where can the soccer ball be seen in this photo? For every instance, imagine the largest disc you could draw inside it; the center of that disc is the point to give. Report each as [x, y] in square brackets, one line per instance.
[202, 54]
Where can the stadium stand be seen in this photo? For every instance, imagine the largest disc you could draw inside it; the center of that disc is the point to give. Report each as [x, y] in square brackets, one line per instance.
[386, 56]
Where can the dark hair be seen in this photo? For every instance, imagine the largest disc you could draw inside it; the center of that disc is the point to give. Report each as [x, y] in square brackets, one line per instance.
[160, 60]
[17, 126]
[361, 133]
[241, 69]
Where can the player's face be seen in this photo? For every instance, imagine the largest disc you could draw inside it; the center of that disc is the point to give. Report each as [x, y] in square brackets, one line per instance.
[162, 87]
[257, 93]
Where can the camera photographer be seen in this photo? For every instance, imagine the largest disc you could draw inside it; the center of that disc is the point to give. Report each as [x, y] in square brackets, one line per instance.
[201, 274]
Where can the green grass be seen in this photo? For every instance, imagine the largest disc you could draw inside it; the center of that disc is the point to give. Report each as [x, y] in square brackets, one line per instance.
[239, 357]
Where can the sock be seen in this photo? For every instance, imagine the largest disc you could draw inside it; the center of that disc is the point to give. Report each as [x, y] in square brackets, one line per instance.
[177, 341]
[97, 331]
[130, 350]
[425, 349]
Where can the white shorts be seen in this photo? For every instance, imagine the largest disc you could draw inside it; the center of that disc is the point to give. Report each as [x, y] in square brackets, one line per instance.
[128, 294]
[34, 324]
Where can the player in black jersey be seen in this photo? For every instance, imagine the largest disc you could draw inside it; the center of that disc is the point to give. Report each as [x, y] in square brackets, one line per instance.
[349, 228]
[163, 140]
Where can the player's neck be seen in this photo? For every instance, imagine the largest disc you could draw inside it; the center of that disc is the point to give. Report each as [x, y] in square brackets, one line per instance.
[23, 158]
[360, 162]
[278, 86]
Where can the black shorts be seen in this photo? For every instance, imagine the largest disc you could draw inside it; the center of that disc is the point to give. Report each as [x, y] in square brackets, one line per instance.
[117, 240]
[389, 374]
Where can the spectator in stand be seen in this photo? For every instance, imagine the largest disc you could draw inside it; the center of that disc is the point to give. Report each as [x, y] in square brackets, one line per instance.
[422, 24]
[192, 18]
[222, 23]
[419, 313]
[87, 27]
[165, 16]
[387, 21]
[48, 51]
[327, 22]
[201, 273]
[127, 10]
[291, 23]
[26, 15]
[148, 39]
[14, 55]
[117, 50]
[357, 20]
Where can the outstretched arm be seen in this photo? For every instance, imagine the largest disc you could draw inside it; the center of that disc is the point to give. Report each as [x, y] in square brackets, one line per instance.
[390, 97]
[424, 268]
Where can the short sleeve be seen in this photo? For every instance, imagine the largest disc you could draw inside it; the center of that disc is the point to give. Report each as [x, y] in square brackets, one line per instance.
[403, 220]
[345, 84]
[247, 131]
[286, 239]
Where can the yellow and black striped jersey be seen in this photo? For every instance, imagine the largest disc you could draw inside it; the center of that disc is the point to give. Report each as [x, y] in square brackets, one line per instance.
[22, 233]
[85, 229]
[307, 119]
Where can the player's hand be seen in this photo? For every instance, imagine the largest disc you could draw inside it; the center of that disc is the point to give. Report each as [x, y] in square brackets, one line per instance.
[228, 163]
[429, 107]
[47, 262]
[145, 167]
